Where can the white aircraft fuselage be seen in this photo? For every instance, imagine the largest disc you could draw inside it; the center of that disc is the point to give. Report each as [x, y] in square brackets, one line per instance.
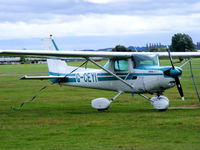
[148, 77]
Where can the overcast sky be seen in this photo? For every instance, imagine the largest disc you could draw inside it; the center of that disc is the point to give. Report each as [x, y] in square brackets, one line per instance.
[95, 24]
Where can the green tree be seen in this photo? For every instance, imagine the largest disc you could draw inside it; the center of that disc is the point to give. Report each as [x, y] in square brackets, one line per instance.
[182, 43]
[121, 48]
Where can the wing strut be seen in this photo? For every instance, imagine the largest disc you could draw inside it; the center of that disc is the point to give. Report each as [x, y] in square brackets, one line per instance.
[185, 63]
[193, 80]
[110, 72]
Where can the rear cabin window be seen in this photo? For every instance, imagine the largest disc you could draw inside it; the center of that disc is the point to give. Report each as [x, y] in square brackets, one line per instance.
[121, 65]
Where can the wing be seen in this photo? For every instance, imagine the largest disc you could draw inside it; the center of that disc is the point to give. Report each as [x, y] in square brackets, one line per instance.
[48, 53]
[179, 54]
[86, 54]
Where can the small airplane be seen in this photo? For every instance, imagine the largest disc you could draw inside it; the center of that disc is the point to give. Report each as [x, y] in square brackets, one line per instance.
[124, 72]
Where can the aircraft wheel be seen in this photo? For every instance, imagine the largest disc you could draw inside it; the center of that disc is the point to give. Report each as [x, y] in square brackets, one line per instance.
[101, 104]
[161, 103]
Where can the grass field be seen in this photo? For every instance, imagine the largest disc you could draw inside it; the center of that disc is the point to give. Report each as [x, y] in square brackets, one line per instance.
[61, 118]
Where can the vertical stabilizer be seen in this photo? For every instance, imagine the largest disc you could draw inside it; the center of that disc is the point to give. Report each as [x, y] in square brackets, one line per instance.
[55, 66]
[49, 43]
[54, 43]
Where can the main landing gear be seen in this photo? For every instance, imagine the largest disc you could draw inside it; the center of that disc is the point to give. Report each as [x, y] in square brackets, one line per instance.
[159, 102]
[102, 104]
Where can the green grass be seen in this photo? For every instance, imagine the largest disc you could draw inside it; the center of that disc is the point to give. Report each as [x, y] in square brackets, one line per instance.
[23, 68]
[62, 118]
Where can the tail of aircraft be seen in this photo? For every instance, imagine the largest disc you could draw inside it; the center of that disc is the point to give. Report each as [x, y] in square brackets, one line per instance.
[56, 66]
[58, 69]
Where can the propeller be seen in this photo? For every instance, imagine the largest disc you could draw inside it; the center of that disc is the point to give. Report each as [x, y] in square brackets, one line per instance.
[175, 72]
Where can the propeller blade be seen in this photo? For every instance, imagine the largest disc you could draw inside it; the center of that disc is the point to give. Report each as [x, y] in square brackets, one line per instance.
[170, 58]
[178, 83]
[179, 87]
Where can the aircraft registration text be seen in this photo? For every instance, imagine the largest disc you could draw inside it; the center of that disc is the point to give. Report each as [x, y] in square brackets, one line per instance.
[86, 77]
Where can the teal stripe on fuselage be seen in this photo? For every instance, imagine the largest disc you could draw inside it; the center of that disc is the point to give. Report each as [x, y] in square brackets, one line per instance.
[103, 74]
[62, 74]
[71, 80]
[106, 76]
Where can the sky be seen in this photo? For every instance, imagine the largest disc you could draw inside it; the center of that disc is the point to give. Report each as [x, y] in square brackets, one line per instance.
[96, 24]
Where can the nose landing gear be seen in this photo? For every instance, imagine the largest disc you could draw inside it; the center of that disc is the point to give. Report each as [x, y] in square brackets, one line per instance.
[159, 102]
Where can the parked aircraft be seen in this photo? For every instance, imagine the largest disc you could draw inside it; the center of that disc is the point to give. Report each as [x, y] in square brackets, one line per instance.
[125, 72]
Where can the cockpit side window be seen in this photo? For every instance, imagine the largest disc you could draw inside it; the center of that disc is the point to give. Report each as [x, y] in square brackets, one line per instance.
[142, 61]
[106, 66]
[121, 65]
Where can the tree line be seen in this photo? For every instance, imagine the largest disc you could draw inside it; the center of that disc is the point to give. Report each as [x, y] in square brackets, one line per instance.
[179, 43]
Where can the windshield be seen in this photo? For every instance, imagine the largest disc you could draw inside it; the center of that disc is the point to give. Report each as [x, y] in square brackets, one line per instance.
[142, 61]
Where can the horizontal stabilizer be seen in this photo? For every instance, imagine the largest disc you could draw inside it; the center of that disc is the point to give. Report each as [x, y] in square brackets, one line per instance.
[43, 77]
